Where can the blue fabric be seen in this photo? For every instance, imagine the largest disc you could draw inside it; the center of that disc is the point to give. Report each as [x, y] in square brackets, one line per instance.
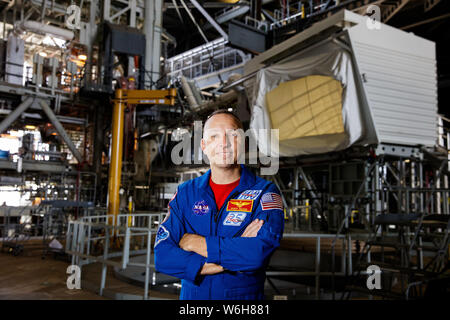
[244, 259]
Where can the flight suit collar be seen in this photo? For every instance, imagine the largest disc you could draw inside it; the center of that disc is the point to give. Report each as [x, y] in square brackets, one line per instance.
[247, 180]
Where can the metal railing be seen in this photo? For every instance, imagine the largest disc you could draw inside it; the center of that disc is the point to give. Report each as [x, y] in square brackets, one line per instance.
[71, 85]
[116, 237]
[211, 57]
[346, 258]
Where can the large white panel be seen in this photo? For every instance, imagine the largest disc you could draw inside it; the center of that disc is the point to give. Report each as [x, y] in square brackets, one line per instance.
[399, 77]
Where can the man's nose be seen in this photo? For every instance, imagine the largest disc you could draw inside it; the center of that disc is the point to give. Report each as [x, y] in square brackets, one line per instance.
[225, 141]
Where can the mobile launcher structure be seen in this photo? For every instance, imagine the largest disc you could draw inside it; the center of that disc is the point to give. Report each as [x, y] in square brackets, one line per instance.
[363, 152]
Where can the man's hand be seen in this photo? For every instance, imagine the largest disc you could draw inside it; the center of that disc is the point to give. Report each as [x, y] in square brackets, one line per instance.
[252, 229]
[194, 243]
[211, 268]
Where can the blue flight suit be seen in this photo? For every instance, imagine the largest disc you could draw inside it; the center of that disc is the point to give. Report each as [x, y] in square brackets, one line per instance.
[193, 210]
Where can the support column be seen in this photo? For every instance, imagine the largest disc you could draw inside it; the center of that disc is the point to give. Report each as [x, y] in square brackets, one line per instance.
[115, 165]
[132, 23]
[153, 29]
[92, 35]
[98, 139]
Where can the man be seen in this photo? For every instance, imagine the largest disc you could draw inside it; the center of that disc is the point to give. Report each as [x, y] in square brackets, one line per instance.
[222, 227]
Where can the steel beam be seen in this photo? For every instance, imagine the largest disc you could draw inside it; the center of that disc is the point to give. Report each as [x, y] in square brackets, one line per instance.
[16, 113]
[210, 19]
[61, 130]
[429, 4]
[393, 10]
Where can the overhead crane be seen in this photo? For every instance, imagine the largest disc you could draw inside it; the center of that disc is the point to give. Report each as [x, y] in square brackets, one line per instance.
[123, 97]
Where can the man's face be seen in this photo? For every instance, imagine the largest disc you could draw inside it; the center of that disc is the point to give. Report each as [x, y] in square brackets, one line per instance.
[221, 140]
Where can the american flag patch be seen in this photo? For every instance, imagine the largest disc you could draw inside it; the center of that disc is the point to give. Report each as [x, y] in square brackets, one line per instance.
[271, 201]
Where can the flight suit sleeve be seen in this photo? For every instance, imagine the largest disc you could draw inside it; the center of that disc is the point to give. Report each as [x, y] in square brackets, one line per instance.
[169, 257]
[250, 254]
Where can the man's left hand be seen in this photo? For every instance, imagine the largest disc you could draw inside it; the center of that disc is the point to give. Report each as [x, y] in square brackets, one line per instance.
[194, 243]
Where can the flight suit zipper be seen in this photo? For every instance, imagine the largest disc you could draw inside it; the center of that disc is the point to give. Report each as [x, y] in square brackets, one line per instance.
[219, 213]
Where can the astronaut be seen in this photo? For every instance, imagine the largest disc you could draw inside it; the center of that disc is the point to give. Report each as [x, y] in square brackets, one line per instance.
[223, 226]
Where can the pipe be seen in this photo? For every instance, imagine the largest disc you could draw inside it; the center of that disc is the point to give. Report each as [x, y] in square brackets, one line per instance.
[189, 94]
[61, 130]
[42, 28]
[15, 114]
[115, 166]
[220, 101]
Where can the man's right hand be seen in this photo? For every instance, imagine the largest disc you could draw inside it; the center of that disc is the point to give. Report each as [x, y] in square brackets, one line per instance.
[252, 229]
[211, 268]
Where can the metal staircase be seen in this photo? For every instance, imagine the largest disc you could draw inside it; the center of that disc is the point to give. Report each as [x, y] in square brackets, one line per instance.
[409, 240]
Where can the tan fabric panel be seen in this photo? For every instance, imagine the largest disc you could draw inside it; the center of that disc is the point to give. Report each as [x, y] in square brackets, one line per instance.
[309, 106]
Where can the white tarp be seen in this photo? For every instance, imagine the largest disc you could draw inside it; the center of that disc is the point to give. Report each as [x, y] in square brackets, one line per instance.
[329, 60]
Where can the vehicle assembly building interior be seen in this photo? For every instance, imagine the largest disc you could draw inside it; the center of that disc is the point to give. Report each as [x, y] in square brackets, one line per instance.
[101, 109]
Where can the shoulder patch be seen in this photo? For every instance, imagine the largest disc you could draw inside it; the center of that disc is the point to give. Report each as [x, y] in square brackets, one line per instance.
[271, 201]
[161, 235]
[249, 194]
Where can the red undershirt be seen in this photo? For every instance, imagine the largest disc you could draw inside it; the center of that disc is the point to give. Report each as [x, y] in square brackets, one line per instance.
[221, 191]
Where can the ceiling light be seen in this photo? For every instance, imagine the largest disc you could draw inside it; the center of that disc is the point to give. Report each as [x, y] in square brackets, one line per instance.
[30, 127]
[82, 57]
[43, 54]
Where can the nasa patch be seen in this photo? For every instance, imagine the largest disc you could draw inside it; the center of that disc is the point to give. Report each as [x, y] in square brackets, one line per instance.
[234, 219]
[249, 194]
[200, 208]
[161, 235]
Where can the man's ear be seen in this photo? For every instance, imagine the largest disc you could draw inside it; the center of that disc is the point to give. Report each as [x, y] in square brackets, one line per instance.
[202, 144]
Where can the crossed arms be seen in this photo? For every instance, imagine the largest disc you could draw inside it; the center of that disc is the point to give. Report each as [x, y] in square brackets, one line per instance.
[186, 256]
[195, 243]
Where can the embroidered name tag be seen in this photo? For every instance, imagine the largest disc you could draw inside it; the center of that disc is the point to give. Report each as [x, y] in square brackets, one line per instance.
[249, 194]
[240, 205]
[234, 219]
